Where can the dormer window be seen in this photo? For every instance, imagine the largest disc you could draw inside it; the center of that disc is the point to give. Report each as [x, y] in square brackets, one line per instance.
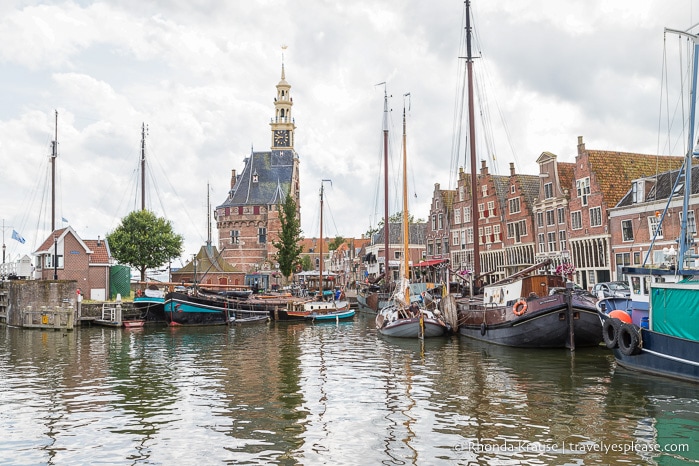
[637, 192]
[255, 177]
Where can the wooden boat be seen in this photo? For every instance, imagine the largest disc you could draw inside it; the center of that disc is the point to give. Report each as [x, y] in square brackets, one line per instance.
[661, 335]
[240, 318]
[185, 309]
[150, 305]
[406, 317]
[532, 310]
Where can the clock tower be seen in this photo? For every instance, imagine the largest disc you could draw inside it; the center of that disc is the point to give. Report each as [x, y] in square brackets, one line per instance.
[283, 124]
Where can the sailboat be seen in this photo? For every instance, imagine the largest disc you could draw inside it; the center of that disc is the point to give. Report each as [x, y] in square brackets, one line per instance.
[406, 316]
[325, 308]
[660, 334]
[529, 308]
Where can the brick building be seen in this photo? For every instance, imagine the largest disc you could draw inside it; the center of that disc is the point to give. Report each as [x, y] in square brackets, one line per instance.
[72, 258]
[248, 219]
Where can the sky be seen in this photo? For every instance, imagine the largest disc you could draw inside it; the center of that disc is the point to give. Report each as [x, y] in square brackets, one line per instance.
[201, 74]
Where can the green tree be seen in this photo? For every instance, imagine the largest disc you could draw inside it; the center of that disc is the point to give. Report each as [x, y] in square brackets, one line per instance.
[336, 243]
[306, 263]
[144, 241]
[289, 246]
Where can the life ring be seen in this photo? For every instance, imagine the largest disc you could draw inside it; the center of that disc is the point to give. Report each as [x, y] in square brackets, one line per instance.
[610, 332]
[520, 307]
[139, 292]
[629, 340]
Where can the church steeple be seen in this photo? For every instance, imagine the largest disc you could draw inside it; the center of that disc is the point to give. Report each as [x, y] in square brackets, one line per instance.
[283, 123]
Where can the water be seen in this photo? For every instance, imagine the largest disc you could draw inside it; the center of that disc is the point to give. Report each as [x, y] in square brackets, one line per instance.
[326, 394]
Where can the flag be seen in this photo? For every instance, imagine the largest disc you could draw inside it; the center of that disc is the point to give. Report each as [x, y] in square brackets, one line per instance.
[17, 236]
[64, 220]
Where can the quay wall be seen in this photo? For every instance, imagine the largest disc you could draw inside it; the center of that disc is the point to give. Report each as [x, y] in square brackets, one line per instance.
[36, 295]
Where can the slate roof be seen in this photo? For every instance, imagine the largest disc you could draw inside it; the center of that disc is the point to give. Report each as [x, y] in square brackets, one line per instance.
[615, 171]
[274, 171]
[417, 234]
[664, 187]
[529, 184]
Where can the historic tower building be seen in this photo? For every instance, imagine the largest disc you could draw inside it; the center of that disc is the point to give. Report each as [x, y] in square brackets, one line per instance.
[248, 220]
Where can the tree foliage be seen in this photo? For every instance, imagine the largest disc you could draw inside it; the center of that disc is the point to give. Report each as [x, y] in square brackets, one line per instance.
[395, 218]
[336, 243]
[306, 263]
[144, 241]
[289, 246]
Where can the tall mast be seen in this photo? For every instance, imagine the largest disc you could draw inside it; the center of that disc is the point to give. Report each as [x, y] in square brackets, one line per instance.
[143, 166]
[208, 215]
[385, 183]
[472, 145]
[406, 224]
[54, 154]
[320, 286]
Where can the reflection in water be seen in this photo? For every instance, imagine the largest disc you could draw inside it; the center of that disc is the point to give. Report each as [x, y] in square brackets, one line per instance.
[325, 394]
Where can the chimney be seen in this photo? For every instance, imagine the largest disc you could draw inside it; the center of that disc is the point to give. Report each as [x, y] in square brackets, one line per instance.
[99, 243]
[512, 169]
[484, 168]
[233, 178]
[581, 145]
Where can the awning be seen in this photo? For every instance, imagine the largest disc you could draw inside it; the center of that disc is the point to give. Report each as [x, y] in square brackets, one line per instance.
[430, 263]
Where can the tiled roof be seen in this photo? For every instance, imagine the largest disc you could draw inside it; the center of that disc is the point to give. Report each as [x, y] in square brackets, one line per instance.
[266, 179]
[664, 186]
[100, 251]
[614, 171]
[566, 174]
[48, 243]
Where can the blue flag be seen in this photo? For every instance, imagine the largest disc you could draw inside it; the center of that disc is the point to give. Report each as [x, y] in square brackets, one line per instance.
[64, 220]
[17, 236]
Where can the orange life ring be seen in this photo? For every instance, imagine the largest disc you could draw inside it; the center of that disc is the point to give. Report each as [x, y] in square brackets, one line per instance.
[139, 293]
[520, 307]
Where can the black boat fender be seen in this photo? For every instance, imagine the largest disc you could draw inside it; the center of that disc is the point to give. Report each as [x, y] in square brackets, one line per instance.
[629, 340]
[610, 332]
[483, 329]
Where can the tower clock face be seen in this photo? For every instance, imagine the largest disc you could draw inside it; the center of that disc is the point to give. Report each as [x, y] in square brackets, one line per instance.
[281, 138]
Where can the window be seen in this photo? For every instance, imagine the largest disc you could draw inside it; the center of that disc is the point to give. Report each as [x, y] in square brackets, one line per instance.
[48, 264]
[481, 210]
[457, 216]
[480, 236]
[691, 223]
[491, 208]
[636, 257]
[396, 255]
[441, 221]
[542, 245]
[576, 220]
[455, 238]
[514, 205]
[434, 222]
[596, 217]
[627, 230]
[562, 240]
[637, 194]
[561, 215]
[467, 214]
[550, 218]
[655, 226]
[582, 187]
[438, 243]
[488, 235]
[446, 244]
[436, 204]
[512, 189]
[484, 190]
[496, 233]
[262, 235]
[463, 239]
[430, 248]
[548, 190]
[552, 240]
[235, 237]
[461, 193]
[469, 235]
[516, 230]
[540, 219]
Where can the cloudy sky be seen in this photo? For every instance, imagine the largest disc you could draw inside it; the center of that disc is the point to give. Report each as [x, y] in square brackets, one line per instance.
[202, 75]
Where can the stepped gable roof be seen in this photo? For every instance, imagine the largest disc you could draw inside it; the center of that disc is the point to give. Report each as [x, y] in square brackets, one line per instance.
[614, 171]
[448, 196]
[663, 188]
[209, 260]
[266, 179]
[416, 235]
[502, 189]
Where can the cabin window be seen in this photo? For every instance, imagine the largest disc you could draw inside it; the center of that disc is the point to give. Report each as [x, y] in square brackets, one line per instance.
[576, 220]
[636, 285]
[548, 190]
[627, 230]
[262, 235]
[582, 188]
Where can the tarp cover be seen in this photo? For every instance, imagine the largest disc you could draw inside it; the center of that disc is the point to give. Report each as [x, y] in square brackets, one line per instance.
[675, 311]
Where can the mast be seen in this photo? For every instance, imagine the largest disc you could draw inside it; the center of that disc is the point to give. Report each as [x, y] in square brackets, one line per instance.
[208, 215]
[54, 154]
[143, 166]
[385, 183]
[320, 268]
[406, 224]
[472, 145]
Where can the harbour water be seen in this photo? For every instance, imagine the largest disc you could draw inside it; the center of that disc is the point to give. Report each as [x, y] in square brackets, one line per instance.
[327, 394]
